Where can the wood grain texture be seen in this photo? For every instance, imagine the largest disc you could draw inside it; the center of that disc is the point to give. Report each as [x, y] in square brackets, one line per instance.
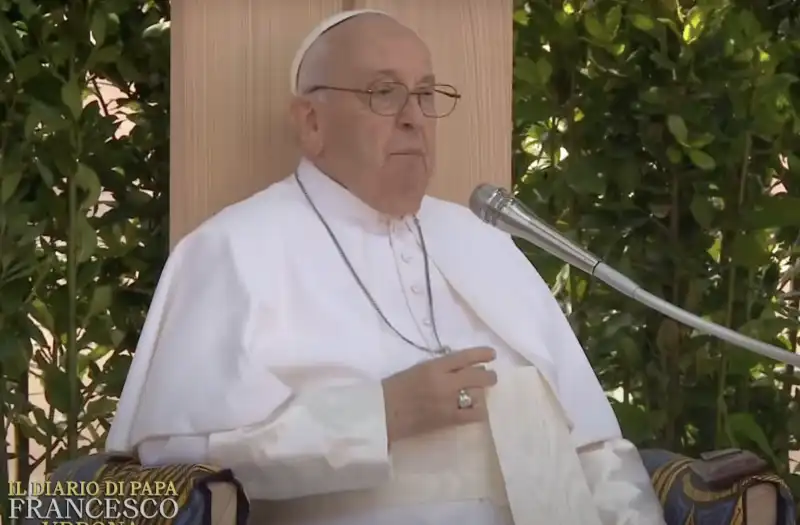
[229, 100]
[230, 90]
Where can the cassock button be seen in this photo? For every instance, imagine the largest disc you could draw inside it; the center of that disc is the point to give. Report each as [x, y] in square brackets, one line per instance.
[416, 289]
[426, 322]
[406, 258]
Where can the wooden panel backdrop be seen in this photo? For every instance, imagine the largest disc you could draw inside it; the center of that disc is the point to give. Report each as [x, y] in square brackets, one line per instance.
[230, 70]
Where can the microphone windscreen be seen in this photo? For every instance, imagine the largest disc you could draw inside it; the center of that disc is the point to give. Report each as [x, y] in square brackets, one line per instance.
[480, 202]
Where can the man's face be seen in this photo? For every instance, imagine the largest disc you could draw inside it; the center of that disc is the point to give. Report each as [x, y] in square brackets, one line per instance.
[387, 161]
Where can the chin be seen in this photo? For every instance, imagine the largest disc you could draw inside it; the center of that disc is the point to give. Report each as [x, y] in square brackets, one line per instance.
[404, 204]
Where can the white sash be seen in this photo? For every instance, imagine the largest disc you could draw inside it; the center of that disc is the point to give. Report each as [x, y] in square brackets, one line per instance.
[543, 477]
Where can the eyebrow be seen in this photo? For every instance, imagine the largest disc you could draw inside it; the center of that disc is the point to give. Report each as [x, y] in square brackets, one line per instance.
[391, 73]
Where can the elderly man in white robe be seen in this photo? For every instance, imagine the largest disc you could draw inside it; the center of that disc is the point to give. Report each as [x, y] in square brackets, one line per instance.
[360, 353]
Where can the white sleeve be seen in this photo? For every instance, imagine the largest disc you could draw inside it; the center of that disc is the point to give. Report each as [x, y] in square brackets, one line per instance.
[620, 485]
[323, 441]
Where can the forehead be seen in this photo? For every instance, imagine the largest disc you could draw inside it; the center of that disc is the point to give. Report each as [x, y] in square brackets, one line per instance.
[380, 46]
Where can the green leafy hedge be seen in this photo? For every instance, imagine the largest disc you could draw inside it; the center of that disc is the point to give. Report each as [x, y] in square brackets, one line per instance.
[84, 158]
[664, 137]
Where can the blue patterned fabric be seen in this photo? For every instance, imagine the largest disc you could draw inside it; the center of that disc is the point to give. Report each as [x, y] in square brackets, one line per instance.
[190, 481]
[687, 500]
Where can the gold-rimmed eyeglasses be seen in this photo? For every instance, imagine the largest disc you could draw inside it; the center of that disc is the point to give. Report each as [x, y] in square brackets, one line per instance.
[389, 98]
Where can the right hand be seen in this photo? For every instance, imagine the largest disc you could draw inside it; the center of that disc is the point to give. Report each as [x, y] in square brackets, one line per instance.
[425, 397]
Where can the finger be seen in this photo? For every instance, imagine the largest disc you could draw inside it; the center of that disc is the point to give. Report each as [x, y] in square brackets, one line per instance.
[475, 377]
[464, 358]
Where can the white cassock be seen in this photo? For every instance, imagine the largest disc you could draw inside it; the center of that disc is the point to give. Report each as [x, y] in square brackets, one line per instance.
[260, 353]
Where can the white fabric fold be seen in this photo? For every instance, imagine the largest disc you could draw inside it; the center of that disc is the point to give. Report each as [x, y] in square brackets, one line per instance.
[324, 441]
[479, 265]
[620, 485]
[541, 470]
[203, 341]
[327, 440]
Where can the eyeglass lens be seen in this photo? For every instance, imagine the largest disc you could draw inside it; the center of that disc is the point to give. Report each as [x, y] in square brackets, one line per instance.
[435, 101]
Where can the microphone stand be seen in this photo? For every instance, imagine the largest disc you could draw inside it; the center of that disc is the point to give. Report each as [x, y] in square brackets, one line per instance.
[499, 208]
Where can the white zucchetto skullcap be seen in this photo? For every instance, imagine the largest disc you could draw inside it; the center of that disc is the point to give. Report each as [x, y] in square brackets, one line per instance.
[317, 32]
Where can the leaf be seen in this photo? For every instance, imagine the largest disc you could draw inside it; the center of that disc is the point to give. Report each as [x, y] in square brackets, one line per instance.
[156, 30]
[56, 388]
[105, 55]
[101, 300]
[675, 155]
[30, 430]
[613, 18]
[594, 27]
[701, 159]
[701, 141]
[643, 23]
[695, 24]
[99, 27]
[47, 425]
[88, 360]
[677, 127]
[87, 239]
[702, 210]
[543, 70]
[71, 97]
[27, 67]
[115, 371]
[43, 315]
[634, 421]
[28, 8]
[748, 251]
[98, 408]
[86, 178]
[45, 172]
[743, 424]
[13, 356]
[525, 70]
[9, 184]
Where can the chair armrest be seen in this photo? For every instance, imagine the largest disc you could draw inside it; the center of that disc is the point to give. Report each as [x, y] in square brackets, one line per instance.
[204, 495]
[762, 499]
[224, 503]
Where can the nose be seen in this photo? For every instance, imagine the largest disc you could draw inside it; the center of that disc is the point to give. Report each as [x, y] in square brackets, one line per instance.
[410, 116]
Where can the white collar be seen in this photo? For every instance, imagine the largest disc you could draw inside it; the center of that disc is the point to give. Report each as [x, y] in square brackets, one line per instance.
[335, 201]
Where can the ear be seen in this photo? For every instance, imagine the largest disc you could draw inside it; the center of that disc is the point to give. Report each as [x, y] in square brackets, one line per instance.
[305, 121]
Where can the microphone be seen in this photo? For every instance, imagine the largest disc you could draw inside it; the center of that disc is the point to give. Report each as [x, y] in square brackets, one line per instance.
[498, 207]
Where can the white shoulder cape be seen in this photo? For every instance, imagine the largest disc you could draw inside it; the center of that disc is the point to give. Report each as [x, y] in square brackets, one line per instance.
[198, 367]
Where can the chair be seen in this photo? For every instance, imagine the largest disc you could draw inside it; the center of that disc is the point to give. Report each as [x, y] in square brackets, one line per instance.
[211, 496]
[758, 499]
